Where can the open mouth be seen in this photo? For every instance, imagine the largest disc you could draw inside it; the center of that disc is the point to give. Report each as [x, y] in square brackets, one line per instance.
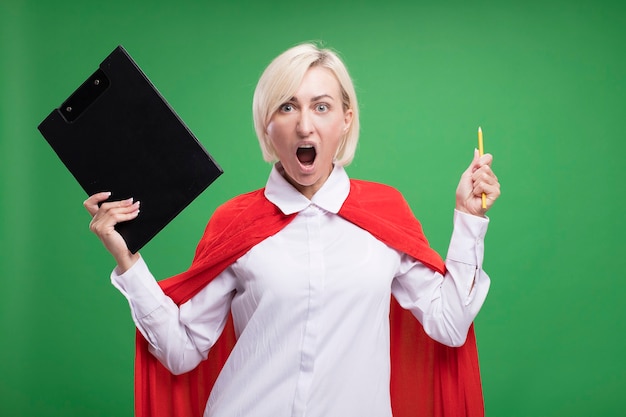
[306, 154]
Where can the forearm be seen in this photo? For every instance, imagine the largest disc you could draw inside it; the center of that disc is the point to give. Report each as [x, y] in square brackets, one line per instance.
[446, 305]
[456, 304]
[158, 319]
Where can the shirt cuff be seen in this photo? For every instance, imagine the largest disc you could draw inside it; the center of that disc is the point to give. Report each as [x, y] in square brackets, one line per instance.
[138, 285]
[467, 244]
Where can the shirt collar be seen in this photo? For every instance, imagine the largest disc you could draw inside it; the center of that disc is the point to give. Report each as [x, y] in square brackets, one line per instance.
[289, 200]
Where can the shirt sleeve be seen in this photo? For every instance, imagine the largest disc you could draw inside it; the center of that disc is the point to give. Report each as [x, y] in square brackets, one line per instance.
[446, 305]
[180, 337]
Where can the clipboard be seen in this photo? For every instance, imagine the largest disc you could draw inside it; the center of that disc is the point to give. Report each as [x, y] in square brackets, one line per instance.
[117, 133]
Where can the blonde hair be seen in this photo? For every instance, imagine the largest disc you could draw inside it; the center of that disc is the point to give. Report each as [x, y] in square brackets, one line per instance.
[280, 81]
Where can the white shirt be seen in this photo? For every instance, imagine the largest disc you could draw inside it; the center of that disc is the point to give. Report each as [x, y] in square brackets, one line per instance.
[311, 310]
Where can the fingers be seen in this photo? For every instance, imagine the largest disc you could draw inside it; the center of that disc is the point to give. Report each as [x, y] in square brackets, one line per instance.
[92, 203]
[103, 225]
[105, 215]
[109, 214]
[477, 162]
[482, 175]
[485, 181]
[480, 161]
[477, 179]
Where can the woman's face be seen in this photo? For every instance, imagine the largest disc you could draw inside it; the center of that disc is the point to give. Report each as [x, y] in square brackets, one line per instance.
[307, 130]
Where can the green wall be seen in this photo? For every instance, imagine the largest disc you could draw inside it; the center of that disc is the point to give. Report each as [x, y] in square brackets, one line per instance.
[545, 80]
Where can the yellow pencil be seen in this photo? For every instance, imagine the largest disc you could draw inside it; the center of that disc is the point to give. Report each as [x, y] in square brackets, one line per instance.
[481, 151]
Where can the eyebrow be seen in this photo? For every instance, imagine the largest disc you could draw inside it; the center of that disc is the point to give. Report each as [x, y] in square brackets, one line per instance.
[316, 98]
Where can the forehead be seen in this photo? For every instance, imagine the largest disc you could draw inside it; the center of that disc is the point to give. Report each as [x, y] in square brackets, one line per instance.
[318, 81]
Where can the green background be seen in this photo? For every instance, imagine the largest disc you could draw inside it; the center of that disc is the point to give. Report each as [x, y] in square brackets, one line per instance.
[545, 80]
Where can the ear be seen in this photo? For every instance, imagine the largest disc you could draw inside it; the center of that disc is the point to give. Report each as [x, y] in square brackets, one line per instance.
[347, 119]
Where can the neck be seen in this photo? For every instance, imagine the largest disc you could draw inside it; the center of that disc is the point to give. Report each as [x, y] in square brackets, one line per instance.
[306, 190]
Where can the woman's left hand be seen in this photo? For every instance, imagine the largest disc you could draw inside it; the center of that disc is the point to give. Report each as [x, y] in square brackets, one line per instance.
[477, 179]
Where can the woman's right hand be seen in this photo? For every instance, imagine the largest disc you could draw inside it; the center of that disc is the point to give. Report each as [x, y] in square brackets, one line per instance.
[104, 219]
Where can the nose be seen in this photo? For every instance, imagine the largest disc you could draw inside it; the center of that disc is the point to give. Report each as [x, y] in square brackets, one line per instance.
[304, 124]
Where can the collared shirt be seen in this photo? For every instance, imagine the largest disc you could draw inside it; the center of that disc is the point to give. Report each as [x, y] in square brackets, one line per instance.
[311, 310]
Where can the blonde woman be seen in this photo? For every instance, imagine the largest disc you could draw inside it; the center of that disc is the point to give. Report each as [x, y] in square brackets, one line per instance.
[317, 295]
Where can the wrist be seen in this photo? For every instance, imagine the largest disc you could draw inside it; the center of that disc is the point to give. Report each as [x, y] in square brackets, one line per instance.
[466, 210]
[126, 261]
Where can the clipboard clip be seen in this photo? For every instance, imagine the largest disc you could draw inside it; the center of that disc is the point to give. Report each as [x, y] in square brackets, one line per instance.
[84, 96]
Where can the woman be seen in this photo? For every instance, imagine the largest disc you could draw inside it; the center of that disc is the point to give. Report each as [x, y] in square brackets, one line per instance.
[306, 267]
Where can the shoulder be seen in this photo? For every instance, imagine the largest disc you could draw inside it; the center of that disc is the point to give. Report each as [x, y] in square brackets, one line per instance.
[376, 200]
[231, 218]
[369, 192]
[241, 222]
[239, 203]
[364, 185]
[238, 207]
[252, 209]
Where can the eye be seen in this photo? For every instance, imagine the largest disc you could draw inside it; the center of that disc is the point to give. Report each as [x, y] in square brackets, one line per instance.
[286, 108]
[322, 107]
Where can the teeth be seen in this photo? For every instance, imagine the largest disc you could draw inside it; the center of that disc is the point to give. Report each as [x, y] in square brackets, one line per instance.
[306, 146]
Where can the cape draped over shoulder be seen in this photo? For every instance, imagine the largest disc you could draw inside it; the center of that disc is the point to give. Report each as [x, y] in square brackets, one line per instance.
[427, 378]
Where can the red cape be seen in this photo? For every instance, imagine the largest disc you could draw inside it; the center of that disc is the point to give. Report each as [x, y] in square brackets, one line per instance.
[427, 378]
